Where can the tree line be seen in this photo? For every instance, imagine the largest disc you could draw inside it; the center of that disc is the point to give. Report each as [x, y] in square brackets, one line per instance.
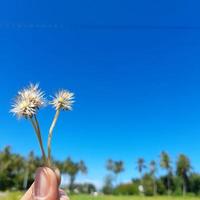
[177, 181]
[17, 173]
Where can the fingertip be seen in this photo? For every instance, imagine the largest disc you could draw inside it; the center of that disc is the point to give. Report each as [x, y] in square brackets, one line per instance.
[46, 184]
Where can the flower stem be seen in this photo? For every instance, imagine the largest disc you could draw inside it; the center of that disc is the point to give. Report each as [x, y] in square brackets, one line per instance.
[50, 135]
[37, 130]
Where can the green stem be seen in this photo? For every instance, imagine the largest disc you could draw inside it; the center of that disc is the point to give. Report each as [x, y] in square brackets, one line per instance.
[37, 130]
[50, 135]
[40, 135]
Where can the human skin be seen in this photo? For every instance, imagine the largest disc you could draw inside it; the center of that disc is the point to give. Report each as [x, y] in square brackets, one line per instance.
[45, 186]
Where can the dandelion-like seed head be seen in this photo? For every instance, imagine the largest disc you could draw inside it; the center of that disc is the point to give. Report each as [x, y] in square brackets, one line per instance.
[34, 94]
[63, 100]
[28, 101]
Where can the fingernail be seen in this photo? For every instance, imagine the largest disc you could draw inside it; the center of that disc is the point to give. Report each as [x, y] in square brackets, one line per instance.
[41, 184]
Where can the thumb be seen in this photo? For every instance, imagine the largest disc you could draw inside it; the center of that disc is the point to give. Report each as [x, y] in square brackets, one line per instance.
[46, 185]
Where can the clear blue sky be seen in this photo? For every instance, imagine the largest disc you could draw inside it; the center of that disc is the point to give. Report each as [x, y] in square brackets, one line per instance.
[133, 65]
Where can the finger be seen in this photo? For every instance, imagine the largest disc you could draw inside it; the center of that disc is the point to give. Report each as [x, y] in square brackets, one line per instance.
[57, 172]
[28, 194]
[45, 185]
[63, 196]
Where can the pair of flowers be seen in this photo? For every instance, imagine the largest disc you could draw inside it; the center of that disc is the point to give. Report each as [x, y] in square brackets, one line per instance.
[27, 103]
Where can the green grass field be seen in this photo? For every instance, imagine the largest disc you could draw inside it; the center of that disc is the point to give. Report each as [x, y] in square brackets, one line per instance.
[17, 195]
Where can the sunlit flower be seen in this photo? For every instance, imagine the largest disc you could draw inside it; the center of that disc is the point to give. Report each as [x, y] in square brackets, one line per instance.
[28, 101]
[63, 100]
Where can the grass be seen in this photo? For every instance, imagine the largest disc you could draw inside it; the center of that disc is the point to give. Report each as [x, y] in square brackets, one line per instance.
[17, 195]
[10, 195]
[83, 197]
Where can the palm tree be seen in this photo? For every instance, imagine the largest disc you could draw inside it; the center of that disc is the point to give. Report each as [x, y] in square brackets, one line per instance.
[140, 166]
[72, 169]
[118, 168]
[5, 158]
[31, 165]
[108, 184]
[82, 167]
[6, 168]
[17, 172]
[152, 172]
[115, 166]
[183, 167]
[165, 163]
[109, 165]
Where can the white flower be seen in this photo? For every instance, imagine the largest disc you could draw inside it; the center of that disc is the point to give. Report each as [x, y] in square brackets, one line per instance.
[63, 100]
[34, 94]
[28, 101]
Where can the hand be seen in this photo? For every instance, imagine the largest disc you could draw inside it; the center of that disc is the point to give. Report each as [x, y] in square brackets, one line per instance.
[45, 186]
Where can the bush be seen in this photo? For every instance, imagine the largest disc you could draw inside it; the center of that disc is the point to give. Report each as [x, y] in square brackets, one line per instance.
[86, 188]
[194, 181]
[148, 185]
[126, 189]
[161, 187]
[108, 186]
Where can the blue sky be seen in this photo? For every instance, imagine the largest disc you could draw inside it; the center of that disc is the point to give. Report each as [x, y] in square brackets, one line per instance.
[134, 67]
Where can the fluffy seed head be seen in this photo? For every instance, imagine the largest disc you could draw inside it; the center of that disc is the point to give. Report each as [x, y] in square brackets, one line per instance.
[28, 101]
[63, 100]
